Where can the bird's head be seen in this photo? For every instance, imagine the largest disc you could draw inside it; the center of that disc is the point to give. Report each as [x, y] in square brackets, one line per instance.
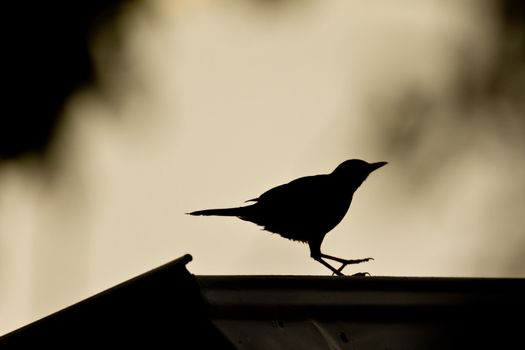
[355, 170]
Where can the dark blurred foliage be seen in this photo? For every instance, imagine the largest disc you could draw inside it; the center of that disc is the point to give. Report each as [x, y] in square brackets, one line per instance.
[509, 77]
[480, 113]
[490, 96]
[45, 58]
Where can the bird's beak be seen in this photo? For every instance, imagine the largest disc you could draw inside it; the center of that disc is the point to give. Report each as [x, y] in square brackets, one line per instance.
[375, 166]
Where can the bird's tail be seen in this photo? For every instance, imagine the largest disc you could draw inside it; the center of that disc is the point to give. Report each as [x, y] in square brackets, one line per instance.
[239, 211]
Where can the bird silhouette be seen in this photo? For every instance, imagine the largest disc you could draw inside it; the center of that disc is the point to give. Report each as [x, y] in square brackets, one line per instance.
[307, 208]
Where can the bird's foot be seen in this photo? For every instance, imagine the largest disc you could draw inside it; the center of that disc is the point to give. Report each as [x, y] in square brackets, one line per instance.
[345, 263]
[361, 274]
[358, 274]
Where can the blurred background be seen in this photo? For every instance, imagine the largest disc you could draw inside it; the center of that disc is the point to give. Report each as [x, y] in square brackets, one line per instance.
[122, 116]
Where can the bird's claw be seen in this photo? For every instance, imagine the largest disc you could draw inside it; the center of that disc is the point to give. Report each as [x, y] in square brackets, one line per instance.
[358, 274]
[362, 274]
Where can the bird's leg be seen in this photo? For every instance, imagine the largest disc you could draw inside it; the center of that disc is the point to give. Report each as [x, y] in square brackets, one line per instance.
[334, 271]
[345, 262]
[315, 253]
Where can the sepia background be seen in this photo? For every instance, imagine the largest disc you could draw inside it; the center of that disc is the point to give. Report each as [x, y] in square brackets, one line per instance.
[202, 104]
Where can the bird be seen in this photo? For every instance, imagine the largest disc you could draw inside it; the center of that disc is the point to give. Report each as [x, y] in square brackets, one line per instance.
[307, 208]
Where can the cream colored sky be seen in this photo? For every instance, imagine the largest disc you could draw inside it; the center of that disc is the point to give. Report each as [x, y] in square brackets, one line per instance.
[211, 103]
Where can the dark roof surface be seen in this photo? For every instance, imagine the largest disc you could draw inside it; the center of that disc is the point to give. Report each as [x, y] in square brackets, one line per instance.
[169, 307]
[314, 312]
[162, 308]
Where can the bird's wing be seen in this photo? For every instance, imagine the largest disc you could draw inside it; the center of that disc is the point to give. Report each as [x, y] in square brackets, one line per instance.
[294, 190]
